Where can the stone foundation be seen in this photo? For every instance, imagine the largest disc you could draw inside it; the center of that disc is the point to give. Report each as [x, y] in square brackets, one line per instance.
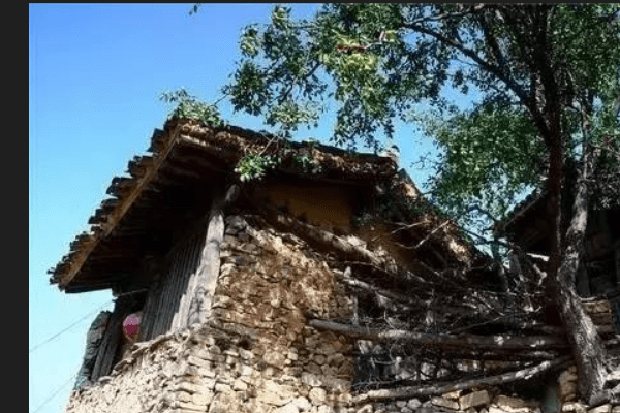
[491, 400]
[218, 369]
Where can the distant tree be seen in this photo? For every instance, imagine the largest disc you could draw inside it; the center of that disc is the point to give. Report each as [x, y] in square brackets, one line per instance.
[549, 77]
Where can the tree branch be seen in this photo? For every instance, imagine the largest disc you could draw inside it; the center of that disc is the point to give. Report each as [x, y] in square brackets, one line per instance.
[459, 342]
[496, 70]
[418, 245]
[409, 392]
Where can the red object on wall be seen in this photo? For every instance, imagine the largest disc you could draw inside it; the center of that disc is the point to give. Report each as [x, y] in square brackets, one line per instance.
[130, 326]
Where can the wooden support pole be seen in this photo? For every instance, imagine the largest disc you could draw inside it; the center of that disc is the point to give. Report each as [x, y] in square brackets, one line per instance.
[355, 317]
[408, 300]
[416, 391]
[444, 341]
[203, 283]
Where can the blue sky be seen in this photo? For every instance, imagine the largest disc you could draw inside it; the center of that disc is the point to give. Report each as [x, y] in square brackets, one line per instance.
[95, 74]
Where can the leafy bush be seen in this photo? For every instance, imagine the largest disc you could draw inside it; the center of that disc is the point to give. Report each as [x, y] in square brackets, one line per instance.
[188, 107]
[255, 166]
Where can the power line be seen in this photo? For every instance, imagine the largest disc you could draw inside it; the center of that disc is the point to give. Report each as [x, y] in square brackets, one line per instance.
[68, 327]
[86, 316]
[50, 398]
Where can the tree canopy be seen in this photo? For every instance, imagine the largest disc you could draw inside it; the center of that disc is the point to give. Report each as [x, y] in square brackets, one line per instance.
[377, 61]
[547, 95]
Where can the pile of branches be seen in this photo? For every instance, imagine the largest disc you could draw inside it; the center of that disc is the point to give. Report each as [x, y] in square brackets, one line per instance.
[416, 327]
[424, 334]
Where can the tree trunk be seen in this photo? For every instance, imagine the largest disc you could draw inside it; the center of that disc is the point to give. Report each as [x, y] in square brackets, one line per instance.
[581, 332]
[563, 265]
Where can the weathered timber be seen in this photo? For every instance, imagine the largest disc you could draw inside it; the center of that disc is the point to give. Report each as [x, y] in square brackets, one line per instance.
[505, 355]
[416, 391]
[203, 282]
[169, 303]
[93, 341]
[164, 299]
[81, 254]
[409, 300]
[106, 355]
[188, 263]
[444, 341]
[330, 241]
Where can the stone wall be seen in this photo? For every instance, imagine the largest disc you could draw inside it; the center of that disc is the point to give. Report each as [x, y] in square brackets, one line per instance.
[258, 355]
[215, 369]
[491, 400]
[600, 311]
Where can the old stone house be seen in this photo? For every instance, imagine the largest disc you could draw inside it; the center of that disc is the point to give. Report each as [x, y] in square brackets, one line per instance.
[264, 296]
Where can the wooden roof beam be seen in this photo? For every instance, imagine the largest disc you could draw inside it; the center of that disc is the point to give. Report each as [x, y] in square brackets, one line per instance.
[120, 211]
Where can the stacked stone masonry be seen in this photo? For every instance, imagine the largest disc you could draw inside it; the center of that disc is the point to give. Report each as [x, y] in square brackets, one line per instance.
[257, 355]
[601, 314]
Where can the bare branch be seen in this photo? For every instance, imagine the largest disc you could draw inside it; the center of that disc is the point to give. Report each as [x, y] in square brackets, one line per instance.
[415, 247]
[409, 392]
[445, 341]
[494, 69]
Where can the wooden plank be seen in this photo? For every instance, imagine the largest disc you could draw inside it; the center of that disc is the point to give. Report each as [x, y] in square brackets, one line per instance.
[163, 307]
[106, 355]
[189, 257]
[184, 259]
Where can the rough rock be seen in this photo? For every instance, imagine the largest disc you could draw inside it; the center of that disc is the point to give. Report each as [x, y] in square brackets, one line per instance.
[289, 408]
[311, 379]
[318, 396]
[366, 409]
[513, 405]
[574, 407]
[606, 408]
[442, 402]
[302, 403]
[475, 399]
[453, 395]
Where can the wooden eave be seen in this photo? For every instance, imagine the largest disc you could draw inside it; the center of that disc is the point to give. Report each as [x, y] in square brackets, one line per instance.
[524, 211]
[186, 157]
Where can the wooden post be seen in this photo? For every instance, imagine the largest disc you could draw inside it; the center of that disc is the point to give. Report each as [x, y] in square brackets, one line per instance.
[204, 281]
[355, 298]
[109, 345]
[616, 249]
